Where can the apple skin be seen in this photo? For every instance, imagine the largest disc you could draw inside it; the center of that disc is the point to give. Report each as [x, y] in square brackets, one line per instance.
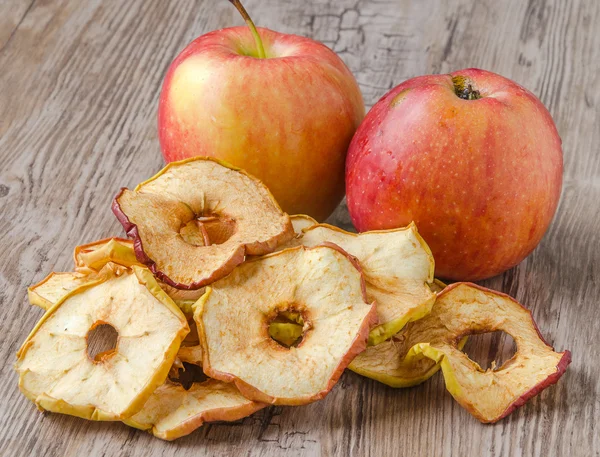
[287, 119]
[480, 178]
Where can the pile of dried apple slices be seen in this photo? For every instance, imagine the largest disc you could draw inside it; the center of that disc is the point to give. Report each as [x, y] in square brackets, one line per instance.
[223, 304]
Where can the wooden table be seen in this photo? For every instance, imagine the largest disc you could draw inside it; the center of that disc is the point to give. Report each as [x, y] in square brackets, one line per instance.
[79, 82]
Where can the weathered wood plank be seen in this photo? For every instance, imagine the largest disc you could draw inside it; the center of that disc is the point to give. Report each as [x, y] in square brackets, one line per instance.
[78, 94]
[13, 13]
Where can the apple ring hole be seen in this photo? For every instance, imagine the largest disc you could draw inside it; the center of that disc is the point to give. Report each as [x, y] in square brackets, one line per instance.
[288, 326]
[207, 230]
[490, 350]
[102, 341]
[188, 375]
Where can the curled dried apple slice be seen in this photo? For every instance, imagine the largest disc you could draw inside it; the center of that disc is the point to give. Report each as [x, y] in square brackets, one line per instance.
[489, 395]
[190, 354]
[56, 370]
[464, 309]
[183, 298]
[53, 287]
[92, 260]
[437, 286]
[172, 411]
[302, 221]
[324, 285]
[93, 256]
[195, 221]
[175, 410]
[395, 363]
[397, 266]
[56, 285]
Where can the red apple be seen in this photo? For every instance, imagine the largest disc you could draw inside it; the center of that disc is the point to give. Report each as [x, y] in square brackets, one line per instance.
[472, 157]
[287, 117]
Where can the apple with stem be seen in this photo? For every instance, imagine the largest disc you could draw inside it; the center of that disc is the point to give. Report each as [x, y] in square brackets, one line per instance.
[282, 107]
[472, 158]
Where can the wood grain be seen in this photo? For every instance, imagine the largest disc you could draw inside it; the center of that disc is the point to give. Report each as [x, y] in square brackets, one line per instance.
[78, 96]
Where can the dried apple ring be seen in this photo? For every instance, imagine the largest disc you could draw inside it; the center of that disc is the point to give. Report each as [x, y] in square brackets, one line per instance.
[324, 285]
[96, 259]
[90, 261]
[397, 266]
[53, 287]
[302, 221]
[195, 221]
[437, 286]
[173, 411]
[93, 256]
[56, 371]
[395, 363]
[190, 354]
[464, 309]
[490, 395]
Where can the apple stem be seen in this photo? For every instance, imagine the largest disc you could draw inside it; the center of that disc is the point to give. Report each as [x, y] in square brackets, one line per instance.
[259, 44]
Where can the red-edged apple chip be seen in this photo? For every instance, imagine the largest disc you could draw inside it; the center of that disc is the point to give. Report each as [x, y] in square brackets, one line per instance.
[179, 407]
[195, 221]
[467, 309]
[397, 266]
[323, 285]
[172, 411]
[57, 371]
[464, 309]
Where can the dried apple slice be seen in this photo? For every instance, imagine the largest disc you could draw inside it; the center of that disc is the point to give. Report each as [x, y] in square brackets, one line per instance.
[490, 395]
[172, 411]
[175, 410]
[93, 256]
[395, 363]
[324, 285]
[91, 260]
[190, 354]
[195, 221]
[53, 287]
[183, 298]
[437, 286]
[56, 285]
[397, 266]
[56, 371]
[464, 309]
[301, 222]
